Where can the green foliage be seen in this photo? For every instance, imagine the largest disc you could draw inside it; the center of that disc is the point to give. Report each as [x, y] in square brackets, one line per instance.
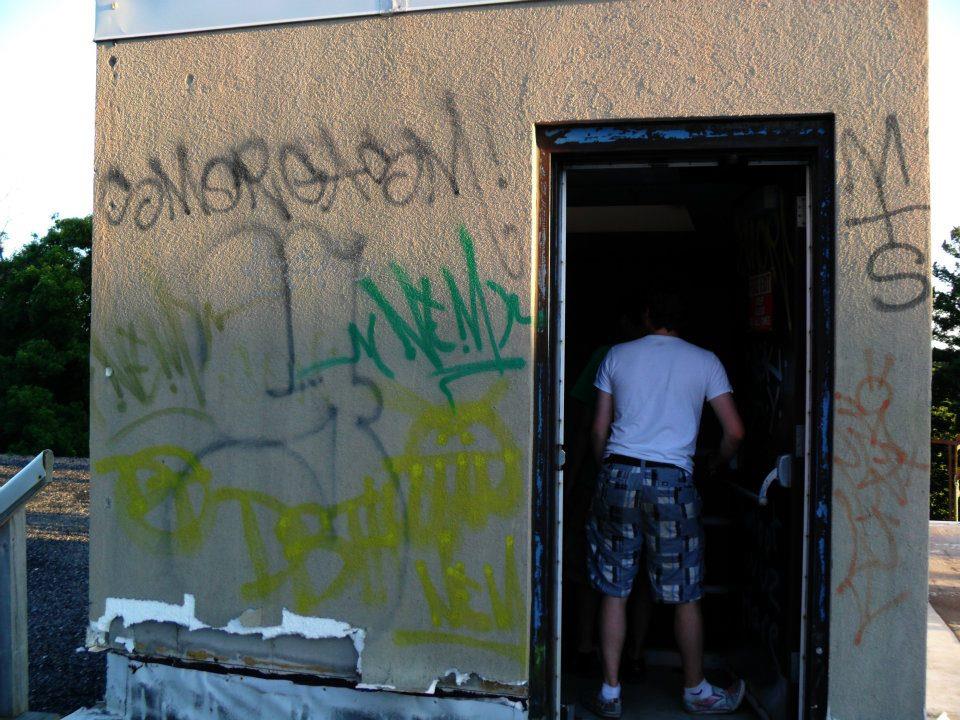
[946, 301]
[44, 341]
[945, 394]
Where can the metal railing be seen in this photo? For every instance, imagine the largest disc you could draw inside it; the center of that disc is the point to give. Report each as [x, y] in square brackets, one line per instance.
[953, 481]
[14, 494]
[782, 474]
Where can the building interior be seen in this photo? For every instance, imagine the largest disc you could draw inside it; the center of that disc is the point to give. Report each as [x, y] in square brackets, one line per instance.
[729, 233]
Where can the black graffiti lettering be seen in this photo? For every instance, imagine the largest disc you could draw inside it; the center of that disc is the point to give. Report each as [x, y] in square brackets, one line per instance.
[316, 172]
[373, 159]
[341, 169]
[228, 192]
[254, 179]
[852, 149]
[299, 174]
[853, 222]
[116, 178]
[897, 277]
[401, 182]
[150, 204]
[434, 165]
[169, 189]
[436, 169]
[305, 173]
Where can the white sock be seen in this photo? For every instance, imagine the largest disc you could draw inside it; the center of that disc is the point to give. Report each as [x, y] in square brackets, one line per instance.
[701, 690]
[609, 692]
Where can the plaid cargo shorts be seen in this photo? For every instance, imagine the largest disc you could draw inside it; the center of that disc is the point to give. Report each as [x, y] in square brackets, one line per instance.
[659, 507]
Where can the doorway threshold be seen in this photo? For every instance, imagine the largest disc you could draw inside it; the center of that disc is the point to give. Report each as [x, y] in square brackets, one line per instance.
[657, 698]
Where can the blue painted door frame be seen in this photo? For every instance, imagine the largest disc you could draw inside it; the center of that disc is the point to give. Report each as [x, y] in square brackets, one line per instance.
[806, 138]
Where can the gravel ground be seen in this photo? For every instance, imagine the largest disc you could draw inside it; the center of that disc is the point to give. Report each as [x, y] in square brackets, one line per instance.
[61, 679]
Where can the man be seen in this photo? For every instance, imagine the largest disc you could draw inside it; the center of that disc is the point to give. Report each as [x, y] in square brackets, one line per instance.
[650, 395]
[581, 484]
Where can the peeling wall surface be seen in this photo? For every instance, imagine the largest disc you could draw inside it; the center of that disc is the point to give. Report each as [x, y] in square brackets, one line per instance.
[312, 330]
[150, 691]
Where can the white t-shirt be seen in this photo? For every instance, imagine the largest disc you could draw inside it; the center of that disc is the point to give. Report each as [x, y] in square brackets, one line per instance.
[659, 384]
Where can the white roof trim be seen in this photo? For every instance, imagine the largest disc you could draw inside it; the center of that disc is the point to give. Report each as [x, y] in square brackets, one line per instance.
[143, 18]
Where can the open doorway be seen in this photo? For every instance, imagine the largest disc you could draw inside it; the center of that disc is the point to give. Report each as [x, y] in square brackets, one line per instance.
[731, 234]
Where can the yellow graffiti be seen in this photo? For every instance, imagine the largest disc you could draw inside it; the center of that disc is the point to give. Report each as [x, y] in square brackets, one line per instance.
[453, 607]
[171, 473]
[165, 352]
[168, 504]
[457, 612]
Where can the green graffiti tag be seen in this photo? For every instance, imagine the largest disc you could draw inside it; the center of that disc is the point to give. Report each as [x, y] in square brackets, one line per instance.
[477, 334]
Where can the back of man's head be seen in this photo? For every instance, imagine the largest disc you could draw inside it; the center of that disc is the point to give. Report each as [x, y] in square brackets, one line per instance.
[666, 310]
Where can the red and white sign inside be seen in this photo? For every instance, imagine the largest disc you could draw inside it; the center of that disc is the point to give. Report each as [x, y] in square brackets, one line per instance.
[761, 302]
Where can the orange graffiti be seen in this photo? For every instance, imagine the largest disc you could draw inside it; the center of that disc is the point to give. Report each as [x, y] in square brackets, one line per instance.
[876, 475]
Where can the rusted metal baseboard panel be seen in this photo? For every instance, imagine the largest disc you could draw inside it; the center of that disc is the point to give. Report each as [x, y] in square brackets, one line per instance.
[150, 691]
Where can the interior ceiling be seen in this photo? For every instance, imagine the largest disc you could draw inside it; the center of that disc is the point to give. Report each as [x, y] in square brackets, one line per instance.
[628, 218]
[656, 199]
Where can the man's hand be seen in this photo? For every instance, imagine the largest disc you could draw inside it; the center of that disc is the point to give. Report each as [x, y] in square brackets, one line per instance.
[733, 432]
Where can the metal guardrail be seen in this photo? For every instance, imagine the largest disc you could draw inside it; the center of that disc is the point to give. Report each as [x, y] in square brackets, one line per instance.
[953, 447]
[25, 484]
[14, 494]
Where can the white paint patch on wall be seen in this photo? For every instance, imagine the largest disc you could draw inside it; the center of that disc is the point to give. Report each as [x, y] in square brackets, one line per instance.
[462, 678]
[311, 628]
[134, 612]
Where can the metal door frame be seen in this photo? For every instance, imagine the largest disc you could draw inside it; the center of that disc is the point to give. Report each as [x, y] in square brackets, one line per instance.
[807, 139]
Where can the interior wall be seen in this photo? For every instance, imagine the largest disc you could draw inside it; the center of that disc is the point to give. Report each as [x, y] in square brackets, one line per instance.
[312, 299]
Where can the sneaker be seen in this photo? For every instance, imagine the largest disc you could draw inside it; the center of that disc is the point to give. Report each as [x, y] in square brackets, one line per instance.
[719, 701]
[602, 708]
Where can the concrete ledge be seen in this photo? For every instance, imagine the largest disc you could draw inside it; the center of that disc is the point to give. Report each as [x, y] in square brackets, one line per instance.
[943, 665]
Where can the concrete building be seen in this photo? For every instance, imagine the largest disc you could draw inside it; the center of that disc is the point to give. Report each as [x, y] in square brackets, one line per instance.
[348, 271]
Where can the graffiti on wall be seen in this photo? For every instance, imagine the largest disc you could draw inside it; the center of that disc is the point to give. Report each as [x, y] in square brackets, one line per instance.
[876, 472]
[481, 316]
[405, 523]
[450, 487]
[875, 476]
[171, 352]
[479, 339]
[286, 177]
[313, 176]
[910, 287]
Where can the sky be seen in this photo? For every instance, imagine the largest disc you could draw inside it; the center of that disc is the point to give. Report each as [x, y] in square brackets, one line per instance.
[944, 121]
[46, 127]
[46, 124]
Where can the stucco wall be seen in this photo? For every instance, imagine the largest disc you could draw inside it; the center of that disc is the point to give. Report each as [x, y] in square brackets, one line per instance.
[311, 335]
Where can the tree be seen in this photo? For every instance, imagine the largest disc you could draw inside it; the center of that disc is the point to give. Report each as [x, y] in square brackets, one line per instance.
[44, 341]
[946, 302]
[945, 390]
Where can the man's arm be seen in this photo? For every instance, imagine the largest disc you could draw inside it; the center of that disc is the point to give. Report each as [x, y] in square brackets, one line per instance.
[733, 432]
[602, 418]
